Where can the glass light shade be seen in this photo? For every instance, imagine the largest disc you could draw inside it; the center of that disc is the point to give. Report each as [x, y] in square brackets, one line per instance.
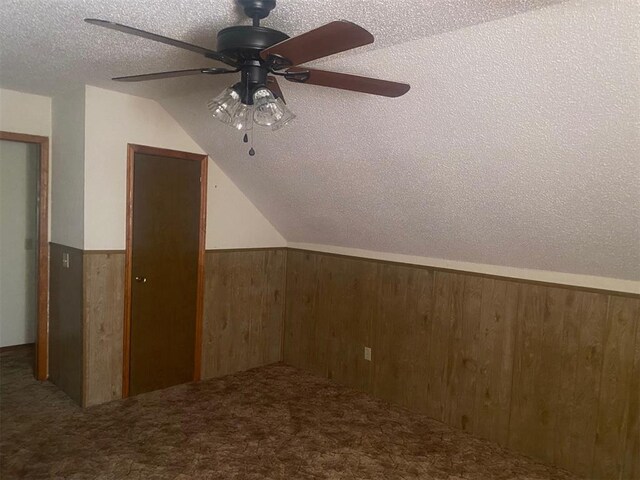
[224, 106]
[241, 117]
[286, 118]
[269, 111]
[266, 111]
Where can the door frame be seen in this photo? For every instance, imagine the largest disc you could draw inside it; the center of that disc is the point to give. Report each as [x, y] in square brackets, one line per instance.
[42, 287]
[132, 149]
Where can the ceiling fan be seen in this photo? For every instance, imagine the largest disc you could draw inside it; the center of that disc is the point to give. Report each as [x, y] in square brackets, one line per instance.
[261, 54]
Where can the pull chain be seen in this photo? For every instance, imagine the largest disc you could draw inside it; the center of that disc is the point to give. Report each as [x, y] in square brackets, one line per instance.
[248, 136]
[252, 152]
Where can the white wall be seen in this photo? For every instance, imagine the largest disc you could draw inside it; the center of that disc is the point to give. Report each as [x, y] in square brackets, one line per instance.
[67, 169]
[232, 220]
[112, 120]
[25, 113]
[18, 242]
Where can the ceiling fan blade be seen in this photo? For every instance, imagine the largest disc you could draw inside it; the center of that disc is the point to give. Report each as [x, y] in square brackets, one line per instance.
[166, 40]
[175, 73]
[272, 84]
[331, 38]
[346, 82]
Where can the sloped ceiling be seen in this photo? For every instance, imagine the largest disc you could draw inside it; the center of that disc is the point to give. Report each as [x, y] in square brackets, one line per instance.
[518, 144]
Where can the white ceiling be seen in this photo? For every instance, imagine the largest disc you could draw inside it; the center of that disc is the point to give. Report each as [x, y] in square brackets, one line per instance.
[518, 144]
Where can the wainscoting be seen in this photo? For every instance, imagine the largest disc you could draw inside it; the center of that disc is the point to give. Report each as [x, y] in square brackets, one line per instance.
[65, 321]
[103, 321]
[548, 371]
[242, 324]
[85, 324]
[243, 310]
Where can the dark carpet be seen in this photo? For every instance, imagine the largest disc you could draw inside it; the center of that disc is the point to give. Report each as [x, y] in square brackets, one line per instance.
[271, 422]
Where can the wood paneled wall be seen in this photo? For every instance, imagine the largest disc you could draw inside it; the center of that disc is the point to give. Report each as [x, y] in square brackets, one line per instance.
[548, 371]
[243, 310]
[242, 324]
[65, 321]
[103, 320]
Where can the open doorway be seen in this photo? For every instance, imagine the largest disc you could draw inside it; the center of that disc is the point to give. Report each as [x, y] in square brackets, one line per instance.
[24, 256]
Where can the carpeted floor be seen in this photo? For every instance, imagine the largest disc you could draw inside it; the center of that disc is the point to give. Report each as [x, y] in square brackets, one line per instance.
[270, 422]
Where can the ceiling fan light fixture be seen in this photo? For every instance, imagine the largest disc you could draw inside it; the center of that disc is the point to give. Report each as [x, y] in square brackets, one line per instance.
[224, 106]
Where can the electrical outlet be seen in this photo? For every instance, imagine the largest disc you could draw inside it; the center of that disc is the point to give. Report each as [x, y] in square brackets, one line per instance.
[367, 353]
[65, 259]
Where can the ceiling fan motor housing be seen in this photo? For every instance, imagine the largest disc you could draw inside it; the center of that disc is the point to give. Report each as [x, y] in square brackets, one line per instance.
[246, 42]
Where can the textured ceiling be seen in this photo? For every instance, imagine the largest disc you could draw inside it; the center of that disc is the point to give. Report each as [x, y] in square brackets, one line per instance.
[46, 47]
[518, 144]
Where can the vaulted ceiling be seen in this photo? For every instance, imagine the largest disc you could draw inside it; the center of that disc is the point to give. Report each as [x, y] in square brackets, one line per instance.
[518, 144]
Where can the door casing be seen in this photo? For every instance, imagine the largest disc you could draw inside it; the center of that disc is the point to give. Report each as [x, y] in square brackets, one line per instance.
[132, 149]
[42, 308]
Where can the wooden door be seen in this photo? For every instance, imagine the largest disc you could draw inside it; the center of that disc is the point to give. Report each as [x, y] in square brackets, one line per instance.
[165, 249]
